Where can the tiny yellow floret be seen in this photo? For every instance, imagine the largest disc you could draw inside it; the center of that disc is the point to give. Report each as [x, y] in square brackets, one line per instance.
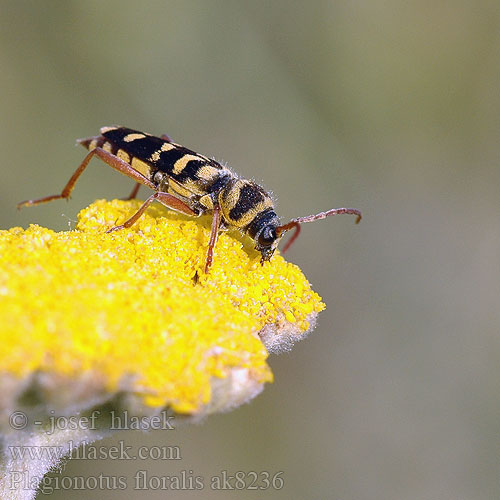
[136, 304]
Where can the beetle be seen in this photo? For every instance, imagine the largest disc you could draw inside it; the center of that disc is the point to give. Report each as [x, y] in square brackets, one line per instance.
[192, 184]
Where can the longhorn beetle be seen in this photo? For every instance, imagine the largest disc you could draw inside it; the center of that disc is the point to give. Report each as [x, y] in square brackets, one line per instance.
[192, 184]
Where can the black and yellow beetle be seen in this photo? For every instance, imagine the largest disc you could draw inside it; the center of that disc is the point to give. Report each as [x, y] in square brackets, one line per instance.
[192, 184]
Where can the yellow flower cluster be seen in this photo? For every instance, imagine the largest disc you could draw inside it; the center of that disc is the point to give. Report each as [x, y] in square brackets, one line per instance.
[136, 305]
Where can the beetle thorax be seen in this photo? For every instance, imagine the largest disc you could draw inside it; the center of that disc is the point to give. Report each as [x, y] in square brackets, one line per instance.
[241, 201]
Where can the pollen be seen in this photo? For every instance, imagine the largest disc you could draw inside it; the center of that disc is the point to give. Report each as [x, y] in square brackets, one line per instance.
[135, 310]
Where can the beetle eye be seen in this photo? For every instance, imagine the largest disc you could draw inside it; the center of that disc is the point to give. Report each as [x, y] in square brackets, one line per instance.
[267, 236]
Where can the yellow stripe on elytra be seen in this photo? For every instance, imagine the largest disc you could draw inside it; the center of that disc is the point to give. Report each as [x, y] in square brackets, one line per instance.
[164, 147]
[123, 155]
[207, 172]
[181, 163]
[107, 129]
[133, 137]
[141, 167]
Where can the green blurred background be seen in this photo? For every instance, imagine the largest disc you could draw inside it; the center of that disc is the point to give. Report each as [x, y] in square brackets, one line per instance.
[391, 107]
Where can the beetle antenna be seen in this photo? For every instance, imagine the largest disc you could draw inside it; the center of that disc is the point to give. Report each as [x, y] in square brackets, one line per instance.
[295, 223]
[286, 227]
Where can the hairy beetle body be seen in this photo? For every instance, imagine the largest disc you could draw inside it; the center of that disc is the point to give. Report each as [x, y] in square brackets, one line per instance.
[190, 183]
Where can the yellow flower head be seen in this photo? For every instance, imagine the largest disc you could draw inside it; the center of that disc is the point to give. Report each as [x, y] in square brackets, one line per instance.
[86, 315]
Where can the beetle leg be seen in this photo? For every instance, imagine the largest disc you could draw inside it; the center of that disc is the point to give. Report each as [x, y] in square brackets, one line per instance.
[165, 199]
[134, 192]
[213, 237]
[109, 158]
